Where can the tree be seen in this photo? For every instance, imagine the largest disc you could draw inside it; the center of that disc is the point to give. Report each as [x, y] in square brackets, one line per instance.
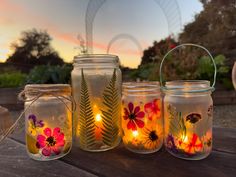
[155, 53]
[34, 48]
[214, 27]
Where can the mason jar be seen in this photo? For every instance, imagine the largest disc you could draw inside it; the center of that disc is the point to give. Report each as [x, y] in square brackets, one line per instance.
[142, 122]
[188, 114]
[48, 121]
[96, 83]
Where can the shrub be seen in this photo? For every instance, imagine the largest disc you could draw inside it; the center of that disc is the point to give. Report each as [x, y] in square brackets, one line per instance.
[205, 70]
[47, 74]
[14, 79]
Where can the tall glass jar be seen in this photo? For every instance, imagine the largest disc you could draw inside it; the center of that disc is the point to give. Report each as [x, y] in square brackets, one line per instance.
[188, 114]
[142, 121]
[48, 121]
[96, 82]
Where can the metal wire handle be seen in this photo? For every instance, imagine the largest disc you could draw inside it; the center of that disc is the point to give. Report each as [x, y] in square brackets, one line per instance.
[188, 44]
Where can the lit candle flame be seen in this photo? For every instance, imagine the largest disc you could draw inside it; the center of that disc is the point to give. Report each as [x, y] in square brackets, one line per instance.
[135, 133]
[98, 118]
[184, 138]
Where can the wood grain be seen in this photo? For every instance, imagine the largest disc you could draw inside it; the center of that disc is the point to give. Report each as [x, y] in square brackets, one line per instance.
[14, 162]
[121, 162]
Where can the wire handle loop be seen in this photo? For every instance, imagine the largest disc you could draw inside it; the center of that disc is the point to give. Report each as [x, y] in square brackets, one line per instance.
[188, 44]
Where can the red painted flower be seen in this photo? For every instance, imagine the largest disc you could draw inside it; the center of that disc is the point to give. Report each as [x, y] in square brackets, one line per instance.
[153, 109]
[134, 115]
[51, 142]
[194, 145]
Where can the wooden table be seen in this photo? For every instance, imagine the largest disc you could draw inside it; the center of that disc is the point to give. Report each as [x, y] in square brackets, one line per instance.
[14, 162]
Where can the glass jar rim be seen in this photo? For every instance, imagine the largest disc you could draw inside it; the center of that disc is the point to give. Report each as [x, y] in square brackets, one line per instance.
[46, 89]
[146, 87]
[187, 86]
[96, 59]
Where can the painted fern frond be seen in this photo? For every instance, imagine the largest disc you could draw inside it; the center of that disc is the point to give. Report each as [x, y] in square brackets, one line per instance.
[111, 112]
[177, 125]
[86, 118]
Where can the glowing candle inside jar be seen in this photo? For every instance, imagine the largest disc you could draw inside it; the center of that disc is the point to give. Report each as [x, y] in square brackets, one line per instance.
[98, 117]
[184, 138]
[98, 123]
[135, 133]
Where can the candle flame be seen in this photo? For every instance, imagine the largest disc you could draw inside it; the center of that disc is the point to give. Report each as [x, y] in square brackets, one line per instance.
[184, 138]
[135, 133]
[98, 118]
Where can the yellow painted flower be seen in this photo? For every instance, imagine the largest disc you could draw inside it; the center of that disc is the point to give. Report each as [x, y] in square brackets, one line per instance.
[151, 138]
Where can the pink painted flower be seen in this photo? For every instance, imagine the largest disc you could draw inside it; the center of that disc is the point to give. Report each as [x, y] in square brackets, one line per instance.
[134, 115]
[51, 142]
[153, 109]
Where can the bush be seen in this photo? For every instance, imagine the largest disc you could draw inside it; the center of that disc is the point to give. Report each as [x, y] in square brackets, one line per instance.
[14, 79]
[206, 70]
[47, 74]
[203, 69]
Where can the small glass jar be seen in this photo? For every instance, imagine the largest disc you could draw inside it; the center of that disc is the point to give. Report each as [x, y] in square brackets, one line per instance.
[96, 82]
[48, 121]
[188, 114]
[142, 121]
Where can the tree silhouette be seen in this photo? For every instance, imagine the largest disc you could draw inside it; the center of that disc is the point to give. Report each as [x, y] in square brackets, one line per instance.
[34, 48]
[155, 53]
[214, 27]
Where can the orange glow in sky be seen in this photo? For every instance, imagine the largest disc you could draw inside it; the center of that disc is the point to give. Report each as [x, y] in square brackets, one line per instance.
[65, 20]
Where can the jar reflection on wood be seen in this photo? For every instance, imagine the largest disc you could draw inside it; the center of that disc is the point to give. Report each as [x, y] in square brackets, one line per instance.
[48, 121]
[188, 113]
[96, 81]
[142, 121]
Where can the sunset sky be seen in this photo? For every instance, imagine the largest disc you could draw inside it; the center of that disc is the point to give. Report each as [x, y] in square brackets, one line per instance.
[64, 20]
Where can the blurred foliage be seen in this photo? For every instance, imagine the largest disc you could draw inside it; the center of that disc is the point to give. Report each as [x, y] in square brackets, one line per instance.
[12, 79]
[174, 69]
[214, 27]
[143, 72]
[205, 70]
[47, 74]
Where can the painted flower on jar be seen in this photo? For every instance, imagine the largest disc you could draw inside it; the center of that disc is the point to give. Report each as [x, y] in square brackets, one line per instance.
[193, 144]
[151, 138]
[135, 116]
[170, 144]
[207, 140]
[153, 109]
[34, 124]
[51, 142]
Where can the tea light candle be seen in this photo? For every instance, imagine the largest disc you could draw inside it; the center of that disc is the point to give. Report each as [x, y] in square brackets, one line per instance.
[98, 129]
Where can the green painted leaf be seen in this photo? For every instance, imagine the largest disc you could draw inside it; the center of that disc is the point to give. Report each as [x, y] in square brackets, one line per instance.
[177, 124]
[86, 118]
[111, 112]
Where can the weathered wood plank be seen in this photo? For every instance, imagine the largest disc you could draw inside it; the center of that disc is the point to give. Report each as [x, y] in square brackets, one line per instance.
[14, 162]
[224, 139]
[121, 162]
